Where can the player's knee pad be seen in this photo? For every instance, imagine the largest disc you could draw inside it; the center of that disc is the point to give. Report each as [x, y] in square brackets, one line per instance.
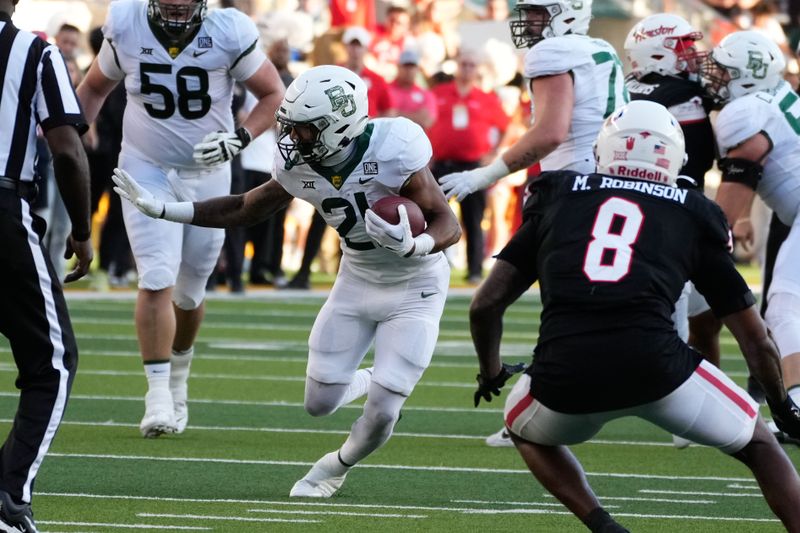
[322, 399]
[156, 279]
[190, 290]
[783, 320]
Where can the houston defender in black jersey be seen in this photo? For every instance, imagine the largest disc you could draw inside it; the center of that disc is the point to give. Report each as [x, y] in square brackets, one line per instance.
[612, 256]
[612, 252]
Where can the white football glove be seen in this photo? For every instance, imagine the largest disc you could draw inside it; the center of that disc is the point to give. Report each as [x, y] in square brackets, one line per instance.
[143, 199]
[397, 238]
[220, 147]
[148, 204]
[459, 185]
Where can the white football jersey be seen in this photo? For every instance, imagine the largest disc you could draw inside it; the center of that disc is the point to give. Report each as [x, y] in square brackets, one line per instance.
[777, 115]
[174, 102]
[388, 152]
[599, 86]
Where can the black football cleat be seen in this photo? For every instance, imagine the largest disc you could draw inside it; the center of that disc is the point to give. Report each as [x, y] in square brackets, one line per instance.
[15, 517]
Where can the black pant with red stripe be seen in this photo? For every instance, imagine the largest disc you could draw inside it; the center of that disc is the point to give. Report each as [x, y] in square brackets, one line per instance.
[34, 318]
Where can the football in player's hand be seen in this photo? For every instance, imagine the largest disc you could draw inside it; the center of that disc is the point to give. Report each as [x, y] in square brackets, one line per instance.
[386, 208]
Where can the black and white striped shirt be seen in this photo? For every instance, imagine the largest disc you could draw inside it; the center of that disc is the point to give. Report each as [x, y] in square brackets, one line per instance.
[36, 88]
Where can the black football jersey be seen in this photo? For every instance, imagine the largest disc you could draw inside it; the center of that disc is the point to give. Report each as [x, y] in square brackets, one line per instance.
[690, 104]
[612, 256]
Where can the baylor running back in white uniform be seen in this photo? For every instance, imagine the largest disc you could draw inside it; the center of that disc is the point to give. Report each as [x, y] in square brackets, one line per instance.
[758, 134]
[575, 83]
[178, 64]
[386, 154]
[391, 286]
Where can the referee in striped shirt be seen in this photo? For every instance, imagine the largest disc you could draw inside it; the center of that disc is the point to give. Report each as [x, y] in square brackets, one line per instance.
[35, 89]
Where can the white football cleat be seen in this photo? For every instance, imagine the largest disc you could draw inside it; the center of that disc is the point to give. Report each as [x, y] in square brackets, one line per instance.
[323, 480]
[680, 443]
[501, 439]
[159, 414]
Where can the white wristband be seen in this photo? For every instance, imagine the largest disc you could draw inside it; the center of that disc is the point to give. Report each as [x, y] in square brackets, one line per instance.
[497, 169]
[423, 244]
[179, 212]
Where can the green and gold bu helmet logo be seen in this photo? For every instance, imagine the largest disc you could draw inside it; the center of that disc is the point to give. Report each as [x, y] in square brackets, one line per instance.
[755, 64]
[341, 101]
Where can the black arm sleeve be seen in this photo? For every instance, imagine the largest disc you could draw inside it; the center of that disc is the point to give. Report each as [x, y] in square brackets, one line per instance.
[700, 148]
[523, 248]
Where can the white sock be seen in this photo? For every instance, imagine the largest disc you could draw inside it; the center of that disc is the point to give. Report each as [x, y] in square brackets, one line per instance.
[794, 393]
[180, 362]
[359, 386]
[157, 374]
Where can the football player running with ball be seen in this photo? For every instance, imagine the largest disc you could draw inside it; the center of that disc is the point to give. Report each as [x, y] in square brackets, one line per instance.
[179, 65]
[612, 251]
[391, 287]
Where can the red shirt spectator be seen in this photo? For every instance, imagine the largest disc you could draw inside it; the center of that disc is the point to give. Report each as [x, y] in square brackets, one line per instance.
[391, 40]
[356, 40]
[352, 13]
[411, 100]
[462, 131]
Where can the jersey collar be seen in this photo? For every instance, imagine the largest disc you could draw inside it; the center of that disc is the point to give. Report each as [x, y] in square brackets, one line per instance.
[337, 178]
[172, 46]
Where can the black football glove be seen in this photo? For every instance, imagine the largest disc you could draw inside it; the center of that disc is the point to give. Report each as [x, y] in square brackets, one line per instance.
[786, 416]
[487, 387]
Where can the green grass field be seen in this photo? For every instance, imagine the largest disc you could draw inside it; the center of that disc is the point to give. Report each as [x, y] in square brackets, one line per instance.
[249, 440]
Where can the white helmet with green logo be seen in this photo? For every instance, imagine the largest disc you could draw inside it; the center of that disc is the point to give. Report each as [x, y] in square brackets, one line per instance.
[331, 99]
[744, 62]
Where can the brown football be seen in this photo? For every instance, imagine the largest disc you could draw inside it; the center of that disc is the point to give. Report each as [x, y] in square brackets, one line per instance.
[386, 208]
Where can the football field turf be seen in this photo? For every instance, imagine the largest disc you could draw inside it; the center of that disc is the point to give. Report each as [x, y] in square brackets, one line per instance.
[249, 440]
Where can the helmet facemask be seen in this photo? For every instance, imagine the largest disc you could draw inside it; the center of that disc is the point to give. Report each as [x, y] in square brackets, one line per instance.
[715, 78]
[298, 146]
[531, 24]
[176, 20]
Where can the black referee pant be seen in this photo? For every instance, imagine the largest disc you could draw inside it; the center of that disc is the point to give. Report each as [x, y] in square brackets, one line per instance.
[34, 318]
[472, 209]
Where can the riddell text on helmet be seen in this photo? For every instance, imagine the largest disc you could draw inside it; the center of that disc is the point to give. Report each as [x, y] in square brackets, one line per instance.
[641, 173]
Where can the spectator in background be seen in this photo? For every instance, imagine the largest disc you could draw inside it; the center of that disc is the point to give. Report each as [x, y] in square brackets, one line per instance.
[391, 40]
[465, 136]
[345, 13]
[411, 100]
[68, 40]
[357, 40]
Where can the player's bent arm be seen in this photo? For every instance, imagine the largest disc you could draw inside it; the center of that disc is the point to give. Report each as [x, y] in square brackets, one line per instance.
[504, 285]
[267, 87]
[741, 171]
[246, 209]
[93, 90]
[442, 224]
[555, 98]
[759, 351]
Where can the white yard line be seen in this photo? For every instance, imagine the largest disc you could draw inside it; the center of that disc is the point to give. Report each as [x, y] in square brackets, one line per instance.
[218, 429]
[701, 493]
[151, 527]
[415, 468]
[337, 513]
[228, 518]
